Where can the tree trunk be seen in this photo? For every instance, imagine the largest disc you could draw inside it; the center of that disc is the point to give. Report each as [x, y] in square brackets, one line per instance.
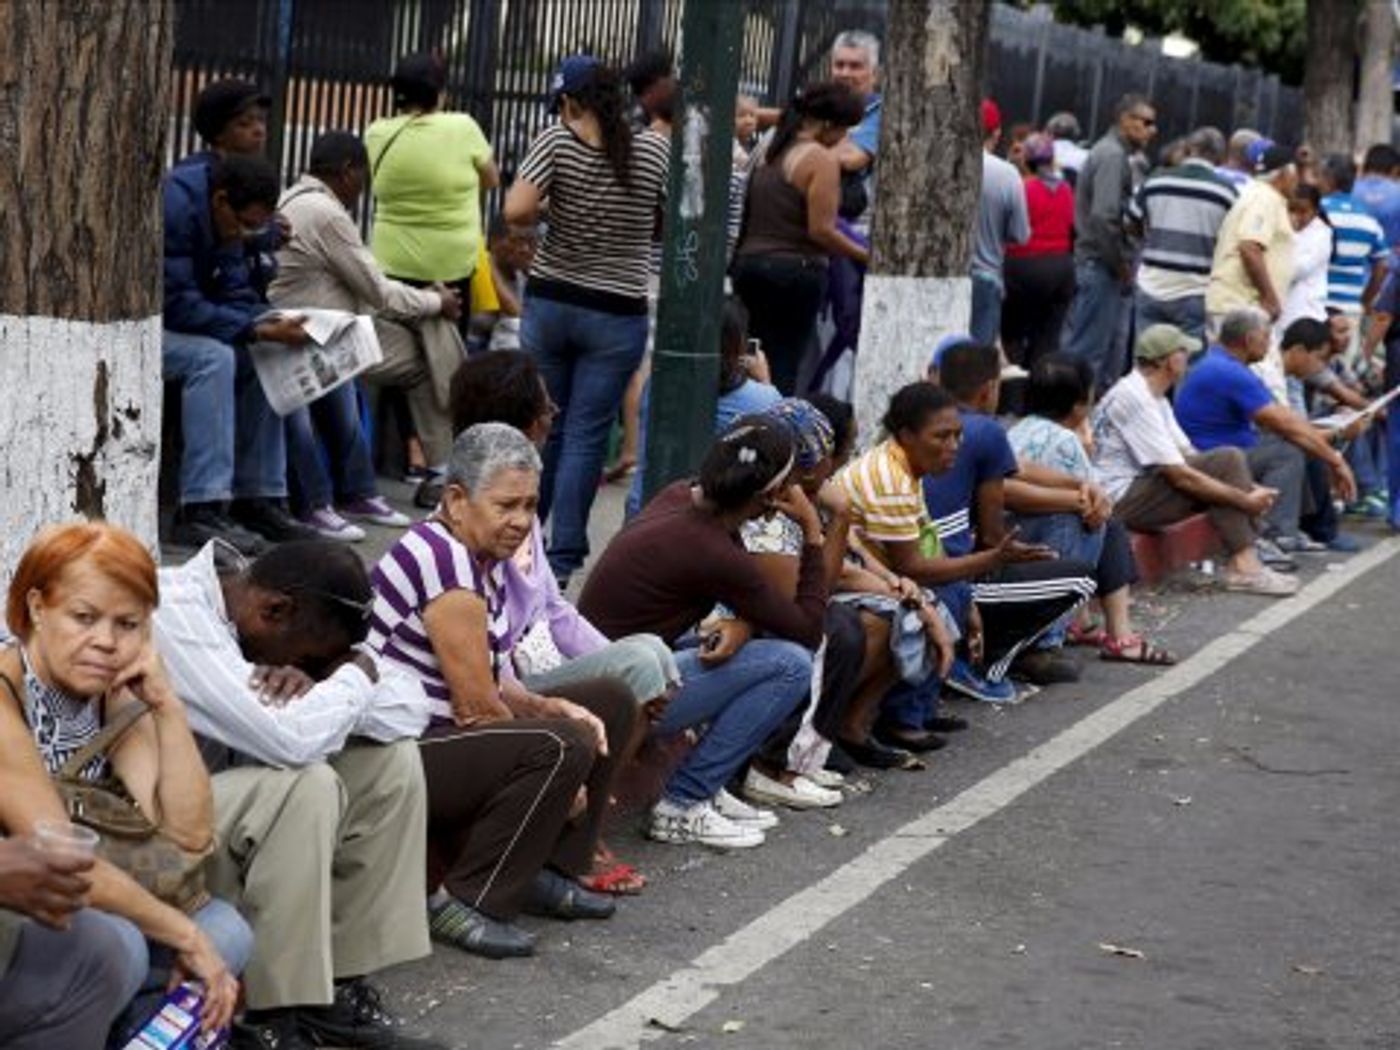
[83, 98]
[1329, 78]
[1375, 108]
[929, 169]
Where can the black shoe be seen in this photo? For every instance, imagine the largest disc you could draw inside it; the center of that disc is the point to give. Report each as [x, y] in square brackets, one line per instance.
[1045, 667]
[268, 1030]
[357, 1018]
[918, 741]
[874, 754]
[839, 762]
[199, 523]
[270, 520]
[946, 724]
[428, 494]
[556, 896]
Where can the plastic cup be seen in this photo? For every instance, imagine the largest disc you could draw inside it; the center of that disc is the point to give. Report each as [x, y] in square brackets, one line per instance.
[61, 838]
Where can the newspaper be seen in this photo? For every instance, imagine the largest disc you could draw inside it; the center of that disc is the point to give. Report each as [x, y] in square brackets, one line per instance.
[342, 346]
[1342, 420]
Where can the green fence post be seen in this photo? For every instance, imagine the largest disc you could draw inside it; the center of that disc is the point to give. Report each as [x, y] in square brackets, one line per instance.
[685, 360]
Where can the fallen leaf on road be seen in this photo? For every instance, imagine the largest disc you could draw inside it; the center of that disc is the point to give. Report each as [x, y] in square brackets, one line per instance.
[1307, 971]
[1118, 949]
[730, 1027]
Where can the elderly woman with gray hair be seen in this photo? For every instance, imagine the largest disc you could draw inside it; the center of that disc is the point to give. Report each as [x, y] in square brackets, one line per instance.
[517, 782]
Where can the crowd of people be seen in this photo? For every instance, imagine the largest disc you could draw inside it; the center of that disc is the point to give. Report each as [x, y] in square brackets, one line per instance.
[345, 763]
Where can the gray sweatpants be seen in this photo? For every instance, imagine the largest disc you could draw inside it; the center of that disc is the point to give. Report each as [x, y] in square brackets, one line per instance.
[1280, 465]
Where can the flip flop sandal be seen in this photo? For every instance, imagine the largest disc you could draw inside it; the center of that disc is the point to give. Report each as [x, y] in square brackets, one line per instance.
[621, 880]
[1092, 636]
[1135, 649]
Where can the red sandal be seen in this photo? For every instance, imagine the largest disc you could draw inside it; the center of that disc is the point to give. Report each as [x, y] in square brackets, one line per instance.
[1135, 649]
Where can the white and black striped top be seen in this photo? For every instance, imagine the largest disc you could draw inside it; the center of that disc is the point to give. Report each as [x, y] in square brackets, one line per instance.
[62, 724]
[597, 245]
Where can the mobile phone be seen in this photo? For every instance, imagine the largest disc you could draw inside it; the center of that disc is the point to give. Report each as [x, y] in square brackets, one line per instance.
[753, 347]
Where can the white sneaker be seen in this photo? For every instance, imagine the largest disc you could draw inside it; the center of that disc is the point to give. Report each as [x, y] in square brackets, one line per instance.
[740, 812]
[700, 823]
[800, 794]
[1266, 582]
[827, 778]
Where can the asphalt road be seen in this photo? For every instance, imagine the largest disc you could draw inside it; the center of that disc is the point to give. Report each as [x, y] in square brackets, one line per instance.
[1241, 836]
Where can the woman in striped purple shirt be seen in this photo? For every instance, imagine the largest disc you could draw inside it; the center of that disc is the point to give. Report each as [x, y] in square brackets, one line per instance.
[517, 782]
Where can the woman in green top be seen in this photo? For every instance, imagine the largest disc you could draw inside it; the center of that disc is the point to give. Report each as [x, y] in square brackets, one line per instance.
[428, 168]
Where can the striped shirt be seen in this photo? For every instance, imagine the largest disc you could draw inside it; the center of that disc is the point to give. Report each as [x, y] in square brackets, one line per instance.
[597, 246]
[1182, 208]
[427, 562]
[887, 505]
[62, 724]
[199, 646]
[1358, 243]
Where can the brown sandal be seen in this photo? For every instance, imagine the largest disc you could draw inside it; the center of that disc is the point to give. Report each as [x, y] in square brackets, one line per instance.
[1135, 649]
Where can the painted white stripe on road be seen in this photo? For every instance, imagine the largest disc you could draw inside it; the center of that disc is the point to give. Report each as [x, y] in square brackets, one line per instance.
[689, 990]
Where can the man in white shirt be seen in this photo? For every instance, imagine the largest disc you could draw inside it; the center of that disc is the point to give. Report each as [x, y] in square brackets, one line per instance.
[1154, 476]
[322, 819]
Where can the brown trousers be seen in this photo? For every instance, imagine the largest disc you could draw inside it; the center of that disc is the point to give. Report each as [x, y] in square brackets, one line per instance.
[1151, 502]
[499, 798]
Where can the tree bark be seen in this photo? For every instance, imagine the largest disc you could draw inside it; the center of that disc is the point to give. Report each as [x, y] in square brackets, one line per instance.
[83, 98]
[1375, 108]
[1329, 78]
[929, 169]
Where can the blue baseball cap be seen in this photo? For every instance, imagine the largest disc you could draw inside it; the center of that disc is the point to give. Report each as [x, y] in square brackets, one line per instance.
[947, 343]
[573, 75]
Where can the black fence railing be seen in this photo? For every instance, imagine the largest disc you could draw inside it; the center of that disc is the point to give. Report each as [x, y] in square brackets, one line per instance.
[326, 63]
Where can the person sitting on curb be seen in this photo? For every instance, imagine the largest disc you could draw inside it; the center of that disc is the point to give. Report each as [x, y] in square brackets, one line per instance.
[1156, 478]
[1223, 403]
[1059, 398]
[233, 441]
[968, 508]
[318, 792]
[742, 677]
[518, 782]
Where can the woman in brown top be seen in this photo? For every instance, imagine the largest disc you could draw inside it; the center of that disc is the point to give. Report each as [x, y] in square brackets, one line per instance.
[668, 569]
[790, 226]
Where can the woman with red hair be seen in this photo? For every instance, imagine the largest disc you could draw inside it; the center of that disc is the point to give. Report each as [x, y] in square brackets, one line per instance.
[80, 607]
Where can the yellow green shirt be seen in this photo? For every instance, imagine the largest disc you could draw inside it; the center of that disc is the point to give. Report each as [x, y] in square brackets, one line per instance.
[1261, 217]
[427, 215]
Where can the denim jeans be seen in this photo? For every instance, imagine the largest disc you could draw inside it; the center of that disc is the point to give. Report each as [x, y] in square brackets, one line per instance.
[1093, 320]
[742, 701]
[1392, 433]
[1188, 314]
[1366, 455]
[587, 358]
[234, 443]
[344, 472]
[220, 921]
[987, 297]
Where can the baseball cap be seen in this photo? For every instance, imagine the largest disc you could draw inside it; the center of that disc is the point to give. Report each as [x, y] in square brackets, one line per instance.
[1040, 148]
[1272, 160]
[945, 344]
[574, 74]
[991, 116]
[223, 100]
[1163, 340]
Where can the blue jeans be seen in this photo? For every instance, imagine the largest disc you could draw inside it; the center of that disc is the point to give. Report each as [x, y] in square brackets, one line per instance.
[1188, 314]
[987, 296]
[234, 444]
[1366, 456]
[743, 700]
[335, 421]
[1093, 321]
[1066, 535]
[226, 929]
[586, 357]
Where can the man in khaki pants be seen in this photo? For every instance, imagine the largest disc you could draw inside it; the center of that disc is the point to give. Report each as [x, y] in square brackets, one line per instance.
[322, 817]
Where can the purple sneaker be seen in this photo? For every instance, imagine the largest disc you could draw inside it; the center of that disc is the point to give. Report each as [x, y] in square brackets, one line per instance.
[332, 526]
[376, 511]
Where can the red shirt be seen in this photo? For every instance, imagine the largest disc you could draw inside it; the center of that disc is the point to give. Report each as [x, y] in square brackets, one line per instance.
[1052, 219]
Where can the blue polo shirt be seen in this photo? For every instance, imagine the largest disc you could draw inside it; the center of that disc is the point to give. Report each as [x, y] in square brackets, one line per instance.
[1217, 401]
[984, 455]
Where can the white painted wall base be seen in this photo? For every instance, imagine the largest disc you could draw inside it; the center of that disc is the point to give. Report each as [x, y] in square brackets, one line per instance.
[902, 320]
[79, 426]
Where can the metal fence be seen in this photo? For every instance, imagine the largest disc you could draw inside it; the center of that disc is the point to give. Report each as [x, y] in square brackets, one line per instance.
[326, 63]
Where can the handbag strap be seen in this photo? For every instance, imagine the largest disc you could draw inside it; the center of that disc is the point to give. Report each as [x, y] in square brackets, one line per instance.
[374, 171]
[103, 742]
